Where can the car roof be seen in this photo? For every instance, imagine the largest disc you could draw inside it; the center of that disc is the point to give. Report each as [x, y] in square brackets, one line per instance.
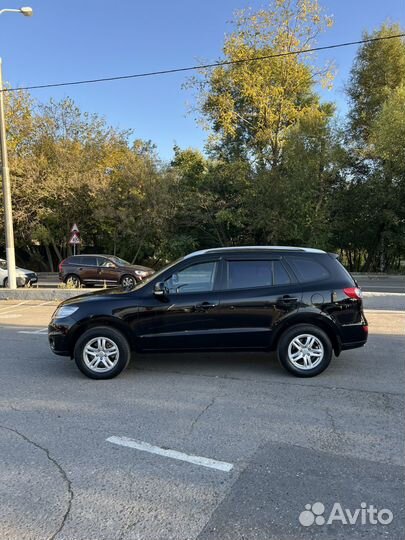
[249, 249]
[93, 255]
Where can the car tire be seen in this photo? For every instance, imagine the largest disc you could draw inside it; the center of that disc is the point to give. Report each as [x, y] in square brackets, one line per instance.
[102, 339]
[5, 283]
[304, 350]
[74, 280]
[128, 282]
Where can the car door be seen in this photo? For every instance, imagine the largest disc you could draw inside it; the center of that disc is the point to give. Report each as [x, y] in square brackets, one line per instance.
[107, 271]
[87, 268]
[186, 317]
[257, 293]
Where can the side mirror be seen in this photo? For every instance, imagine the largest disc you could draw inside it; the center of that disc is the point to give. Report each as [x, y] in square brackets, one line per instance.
[159, 289]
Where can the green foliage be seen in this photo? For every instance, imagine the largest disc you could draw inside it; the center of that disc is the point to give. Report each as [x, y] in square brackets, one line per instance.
[279, 168]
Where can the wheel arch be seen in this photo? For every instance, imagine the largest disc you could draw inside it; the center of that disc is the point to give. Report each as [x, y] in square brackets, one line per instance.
[111, 322]
[321, 321]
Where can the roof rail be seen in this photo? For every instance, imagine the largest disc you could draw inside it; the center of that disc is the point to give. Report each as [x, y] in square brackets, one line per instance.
[255, 248]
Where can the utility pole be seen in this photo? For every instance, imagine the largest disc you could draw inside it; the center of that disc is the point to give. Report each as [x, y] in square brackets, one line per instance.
[8, 212]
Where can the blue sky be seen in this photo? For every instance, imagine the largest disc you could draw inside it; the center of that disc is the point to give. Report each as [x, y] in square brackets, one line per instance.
[76, 39]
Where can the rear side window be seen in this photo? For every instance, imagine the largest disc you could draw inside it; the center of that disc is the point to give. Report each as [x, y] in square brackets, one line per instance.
[75, 260]
[308, 269]
[281, 276]
[85, 261]
[252, 274]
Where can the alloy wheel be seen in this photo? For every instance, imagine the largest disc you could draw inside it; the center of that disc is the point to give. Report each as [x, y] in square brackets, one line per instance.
[101, 354]
[128, 282]
[305, 351]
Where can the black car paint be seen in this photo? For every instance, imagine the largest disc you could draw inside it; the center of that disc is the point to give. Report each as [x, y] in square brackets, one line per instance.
[240, 319]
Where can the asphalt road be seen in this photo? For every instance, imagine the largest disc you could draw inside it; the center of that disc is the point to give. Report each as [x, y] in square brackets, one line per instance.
[335, 438]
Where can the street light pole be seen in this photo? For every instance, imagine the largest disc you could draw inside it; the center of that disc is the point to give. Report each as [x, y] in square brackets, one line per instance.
[8, 209]
[8, 212]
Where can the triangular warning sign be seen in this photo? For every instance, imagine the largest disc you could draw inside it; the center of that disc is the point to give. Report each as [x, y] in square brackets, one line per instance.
[74, 229]
[74, 239]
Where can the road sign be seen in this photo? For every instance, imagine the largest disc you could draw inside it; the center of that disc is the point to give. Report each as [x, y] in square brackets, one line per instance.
[74, 229]
[75, 239]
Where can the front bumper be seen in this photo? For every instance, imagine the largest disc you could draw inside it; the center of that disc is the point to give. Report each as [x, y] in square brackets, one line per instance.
[30, 279]
[58, 338]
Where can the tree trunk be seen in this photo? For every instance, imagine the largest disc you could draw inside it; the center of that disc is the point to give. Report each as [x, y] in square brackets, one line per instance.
[49, 256]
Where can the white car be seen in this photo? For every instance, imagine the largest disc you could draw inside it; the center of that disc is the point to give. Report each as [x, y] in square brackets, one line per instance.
[24, 277]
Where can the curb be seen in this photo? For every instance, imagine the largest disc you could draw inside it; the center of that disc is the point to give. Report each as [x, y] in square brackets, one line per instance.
[41, 294]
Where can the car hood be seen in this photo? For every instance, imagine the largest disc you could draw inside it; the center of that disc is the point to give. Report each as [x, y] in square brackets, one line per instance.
[24, 270]
[96, 296]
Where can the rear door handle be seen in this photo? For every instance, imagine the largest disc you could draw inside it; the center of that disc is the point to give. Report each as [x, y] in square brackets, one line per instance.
[205, 305]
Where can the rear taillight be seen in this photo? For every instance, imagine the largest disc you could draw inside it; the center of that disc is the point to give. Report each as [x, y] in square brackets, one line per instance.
[365, 329]
[60, 265]
[353, 292]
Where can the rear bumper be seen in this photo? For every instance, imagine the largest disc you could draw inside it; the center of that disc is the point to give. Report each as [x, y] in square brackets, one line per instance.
[353, 345]
[354, 335]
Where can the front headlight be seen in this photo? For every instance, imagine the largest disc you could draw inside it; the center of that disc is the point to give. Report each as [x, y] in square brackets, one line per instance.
[64, 311]
[141, 273]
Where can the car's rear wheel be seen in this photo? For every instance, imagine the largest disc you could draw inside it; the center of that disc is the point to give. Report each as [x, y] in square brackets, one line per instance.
[128, 282]
[304, 350]
[102, 352]
[73, 280]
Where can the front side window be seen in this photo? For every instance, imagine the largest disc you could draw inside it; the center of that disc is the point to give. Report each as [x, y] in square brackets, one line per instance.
[195, 278]
[105, 263]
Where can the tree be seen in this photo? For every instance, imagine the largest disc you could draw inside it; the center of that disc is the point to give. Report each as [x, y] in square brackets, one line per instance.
[251, 106]
[378, 70]
[375, 147]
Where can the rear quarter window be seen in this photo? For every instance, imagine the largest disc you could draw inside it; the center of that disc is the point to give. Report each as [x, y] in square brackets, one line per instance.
[308, 269]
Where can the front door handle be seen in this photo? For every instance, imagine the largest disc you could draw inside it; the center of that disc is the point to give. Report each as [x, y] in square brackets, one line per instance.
[205, 305]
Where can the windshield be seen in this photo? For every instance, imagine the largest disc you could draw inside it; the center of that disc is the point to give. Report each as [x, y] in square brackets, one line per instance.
[156, 274]
[119, 261]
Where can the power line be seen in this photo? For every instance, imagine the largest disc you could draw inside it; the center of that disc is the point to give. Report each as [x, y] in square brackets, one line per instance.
[197, 67]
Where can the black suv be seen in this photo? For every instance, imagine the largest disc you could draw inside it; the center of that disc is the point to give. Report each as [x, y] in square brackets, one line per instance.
[300, 302]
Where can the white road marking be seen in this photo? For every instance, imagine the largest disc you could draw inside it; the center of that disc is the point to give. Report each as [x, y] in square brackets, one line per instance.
[41, 331]
[13, 306]
[9, 315]
[396, 311]
[382, 285]
[371, 294]
[27, 307]
[174, 454]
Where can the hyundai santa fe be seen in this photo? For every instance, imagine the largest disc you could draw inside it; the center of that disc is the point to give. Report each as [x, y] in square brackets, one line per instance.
[299, 302]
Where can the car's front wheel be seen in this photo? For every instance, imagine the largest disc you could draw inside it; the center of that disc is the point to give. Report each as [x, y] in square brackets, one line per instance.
[304, 350]
[102, 352]
[128, 282]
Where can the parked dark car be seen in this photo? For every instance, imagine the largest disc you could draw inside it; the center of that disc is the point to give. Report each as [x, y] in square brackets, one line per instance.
[300, 302]
[101, 269]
